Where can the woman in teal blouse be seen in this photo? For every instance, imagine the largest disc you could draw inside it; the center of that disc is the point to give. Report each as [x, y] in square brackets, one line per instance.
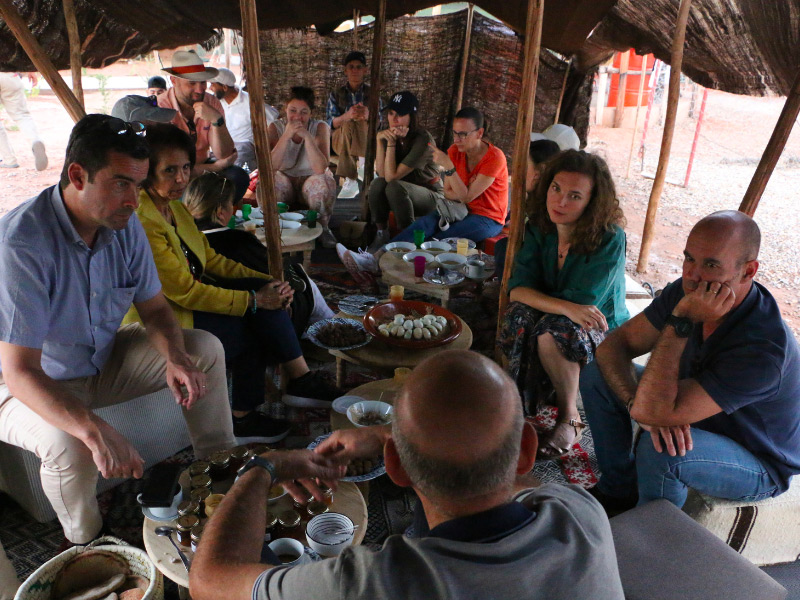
[568, 286]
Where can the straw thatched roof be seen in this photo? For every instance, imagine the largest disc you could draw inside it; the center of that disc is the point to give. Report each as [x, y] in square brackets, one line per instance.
[742, 46]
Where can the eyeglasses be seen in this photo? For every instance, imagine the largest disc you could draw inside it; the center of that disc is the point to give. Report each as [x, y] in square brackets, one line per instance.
[121, 127]
[462, 135]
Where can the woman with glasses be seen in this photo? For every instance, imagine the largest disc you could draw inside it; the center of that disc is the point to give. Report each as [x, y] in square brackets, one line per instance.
[301, 148]
[567, 289]
[408, 182]
[243, 307]
[475, 174]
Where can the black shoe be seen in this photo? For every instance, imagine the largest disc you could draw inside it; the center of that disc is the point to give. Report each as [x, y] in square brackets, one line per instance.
[311, 391]
[612, 504]
[258, 427]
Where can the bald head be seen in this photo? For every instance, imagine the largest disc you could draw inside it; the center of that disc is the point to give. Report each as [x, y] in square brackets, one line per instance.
[732, 226]
[458, 425]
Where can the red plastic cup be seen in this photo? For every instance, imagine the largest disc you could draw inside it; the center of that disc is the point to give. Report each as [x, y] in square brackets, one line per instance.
[419, 266]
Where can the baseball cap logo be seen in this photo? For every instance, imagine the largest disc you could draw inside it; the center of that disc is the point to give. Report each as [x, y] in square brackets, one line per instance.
[397, 98]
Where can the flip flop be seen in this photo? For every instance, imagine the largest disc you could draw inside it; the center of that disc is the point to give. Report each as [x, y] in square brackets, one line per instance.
[559, 443]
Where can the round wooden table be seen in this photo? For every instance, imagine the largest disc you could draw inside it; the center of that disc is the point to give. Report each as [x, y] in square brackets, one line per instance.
[296, 240]
[384, 358]
[347, 500]
[396, 271]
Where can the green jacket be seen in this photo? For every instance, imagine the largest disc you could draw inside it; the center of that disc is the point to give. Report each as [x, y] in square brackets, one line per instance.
[597, 279]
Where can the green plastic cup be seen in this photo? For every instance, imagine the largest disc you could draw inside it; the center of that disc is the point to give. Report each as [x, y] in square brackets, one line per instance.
[282, 207]
[311, 217]
[419, 237]
[246, 210]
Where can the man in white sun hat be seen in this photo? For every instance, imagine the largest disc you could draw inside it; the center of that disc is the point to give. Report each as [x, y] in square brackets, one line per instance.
[236, 104]
[561, 134]
[201, 115]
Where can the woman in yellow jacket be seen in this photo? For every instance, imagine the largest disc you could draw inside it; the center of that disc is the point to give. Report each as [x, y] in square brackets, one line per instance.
[244, 308]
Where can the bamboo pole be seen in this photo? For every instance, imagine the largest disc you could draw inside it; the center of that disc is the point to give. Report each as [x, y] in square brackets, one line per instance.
[74, 50]
[378, 42]
[40, 59]
[624, 60]
[462, 77]
[563, 89]
[522, 140]
[676, 60]
[265, 192]
[642, 77]
[356, 20]
[773, 151]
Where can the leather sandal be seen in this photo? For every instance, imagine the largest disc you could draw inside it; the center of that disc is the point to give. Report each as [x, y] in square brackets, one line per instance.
[558, 444]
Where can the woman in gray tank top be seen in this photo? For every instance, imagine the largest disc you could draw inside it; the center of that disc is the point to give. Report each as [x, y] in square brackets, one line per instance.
[300, 149]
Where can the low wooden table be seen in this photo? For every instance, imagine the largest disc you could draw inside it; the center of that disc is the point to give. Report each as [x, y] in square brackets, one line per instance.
[384, 358]
[347, 500]
[296, 240]
[396, 271]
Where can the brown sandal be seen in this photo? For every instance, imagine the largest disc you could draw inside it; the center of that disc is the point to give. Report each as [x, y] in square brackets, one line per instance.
[554, 447]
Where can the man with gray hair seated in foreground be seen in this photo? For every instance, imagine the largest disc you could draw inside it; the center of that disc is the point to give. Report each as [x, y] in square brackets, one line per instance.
[460, 441]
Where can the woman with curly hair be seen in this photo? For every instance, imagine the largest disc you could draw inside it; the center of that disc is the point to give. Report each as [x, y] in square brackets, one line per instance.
[567, 288]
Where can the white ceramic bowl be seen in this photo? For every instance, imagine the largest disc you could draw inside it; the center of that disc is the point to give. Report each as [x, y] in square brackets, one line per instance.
[436, 247]
[409, 257]
[356, 411]
[289, 224]
[330, 533]
[290, 546]
[454, 257]
[399, 248]
[291, 216]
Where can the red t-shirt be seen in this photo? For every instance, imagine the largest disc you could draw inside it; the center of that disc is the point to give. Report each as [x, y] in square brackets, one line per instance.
[492, 203]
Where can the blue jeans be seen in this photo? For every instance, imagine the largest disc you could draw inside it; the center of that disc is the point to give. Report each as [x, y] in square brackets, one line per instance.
[717, 465]
[473, 227]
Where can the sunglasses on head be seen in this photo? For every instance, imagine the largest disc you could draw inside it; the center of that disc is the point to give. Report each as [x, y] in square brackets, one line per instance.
[121, 127]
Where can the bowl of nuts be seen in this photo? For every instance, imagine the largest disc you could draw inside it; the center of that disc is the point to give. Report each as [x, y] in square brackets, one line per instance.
[338, 333]
[370, 412]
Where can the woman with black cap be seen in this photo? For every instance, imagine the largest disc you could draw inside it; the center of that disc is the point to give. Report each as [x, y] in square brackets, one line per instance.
[408, 181]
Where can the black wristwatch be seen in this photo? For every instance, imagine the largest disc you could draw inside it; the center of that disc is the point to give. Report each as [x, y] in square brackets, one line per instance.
[683, 326]
[448, 172]
[257, 461]
[219, 122]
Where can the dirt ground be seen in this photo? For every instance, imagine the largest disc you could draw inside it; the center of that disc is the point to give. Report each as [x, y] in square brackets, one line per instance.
[734, 133]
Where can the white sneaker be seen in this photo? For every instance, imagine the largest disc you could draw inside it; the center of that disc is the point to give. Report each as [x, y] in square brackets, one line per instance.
[39, 155]
[327, 239]
[349, 189]
[381, 239]
[356, 263]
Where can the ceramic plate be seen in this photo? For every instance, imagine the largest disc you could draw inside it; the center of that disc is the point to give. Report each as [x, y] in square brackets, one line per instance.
[454, 243]
[357, 305]
[292, 216]
[289, 224]
[384, 313]
[342, 403]
[152, 517]
[311, 333]
[379, 469]
[441, 276]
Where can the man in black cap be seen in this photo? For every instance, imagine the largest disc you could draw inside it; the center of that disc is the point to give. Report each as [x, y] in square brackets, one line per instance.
[347, 114]
[156, 86]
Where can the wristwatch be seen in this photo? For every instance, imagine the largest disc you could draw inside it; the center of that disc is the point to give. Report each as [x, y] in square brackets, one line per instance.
[448, 172]
[683, 326]
[219, 122]
[257, 461]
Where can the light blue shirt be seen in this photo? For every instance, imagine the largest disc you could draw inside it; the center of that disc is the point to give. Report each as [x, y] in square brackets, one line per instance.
[59, 295]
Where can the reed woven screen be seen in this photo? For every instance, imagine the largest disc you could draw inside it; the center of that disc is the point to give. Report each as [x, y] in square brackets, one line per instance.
[423, 54]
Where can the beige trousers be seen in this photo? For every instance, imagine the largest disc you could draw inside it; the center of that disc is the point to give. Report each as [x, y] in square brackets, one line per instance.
[135, 368]
[8, 577]
[12, 97]
[349, 142]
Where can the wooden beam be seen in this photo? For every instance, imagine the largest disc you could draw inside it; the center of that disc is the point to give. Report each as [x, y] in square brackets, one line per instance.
[676, 61]
[622, 86]
[563, 89]
[378, 42]
[462, 77]
[40, 60]
[75, 61]
[522, 140]
[228, 47]
[774, 149]
[642, 77]
[265, 192]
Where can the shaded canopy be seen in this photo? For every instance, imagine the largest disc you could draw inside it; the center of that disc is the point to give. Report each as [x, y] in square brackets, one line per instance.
[740, 46]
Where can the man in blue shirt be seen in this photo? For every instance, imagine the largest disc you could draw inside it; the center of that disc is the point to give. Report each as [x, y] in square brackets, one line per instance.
[719, 399]
[460, 440]
[72, 261]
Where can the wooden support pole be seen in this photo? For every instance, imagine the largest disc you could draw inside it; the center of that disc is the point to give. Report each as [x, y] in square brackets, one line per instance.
[696, 137]
[522, 140]
[563, 89]
[676, 61]
[356, 23]
[40, 59]
[228, 46]
[773, 151]
[602, 82]
[462, 76]
[624, 60]
[642, 77]
[75, 60]
[378, 42]
[265, 192]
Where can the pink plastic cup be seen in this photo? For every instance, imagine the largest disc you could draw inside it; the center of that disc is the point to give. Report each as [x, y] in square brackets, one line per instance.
[419, 266]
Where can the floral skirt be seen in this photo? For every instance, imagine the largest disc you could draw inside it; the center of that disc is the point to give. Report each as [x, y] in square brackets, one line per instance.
[522, 325]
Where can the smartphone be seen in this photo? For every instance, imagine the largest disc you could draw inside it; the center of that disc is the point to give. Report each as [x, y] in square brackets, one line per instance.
[161, 485]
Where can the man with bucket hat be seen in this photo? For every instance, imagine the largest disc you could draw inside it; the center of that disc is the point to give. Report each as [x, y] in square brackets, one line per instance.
[201, 116]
